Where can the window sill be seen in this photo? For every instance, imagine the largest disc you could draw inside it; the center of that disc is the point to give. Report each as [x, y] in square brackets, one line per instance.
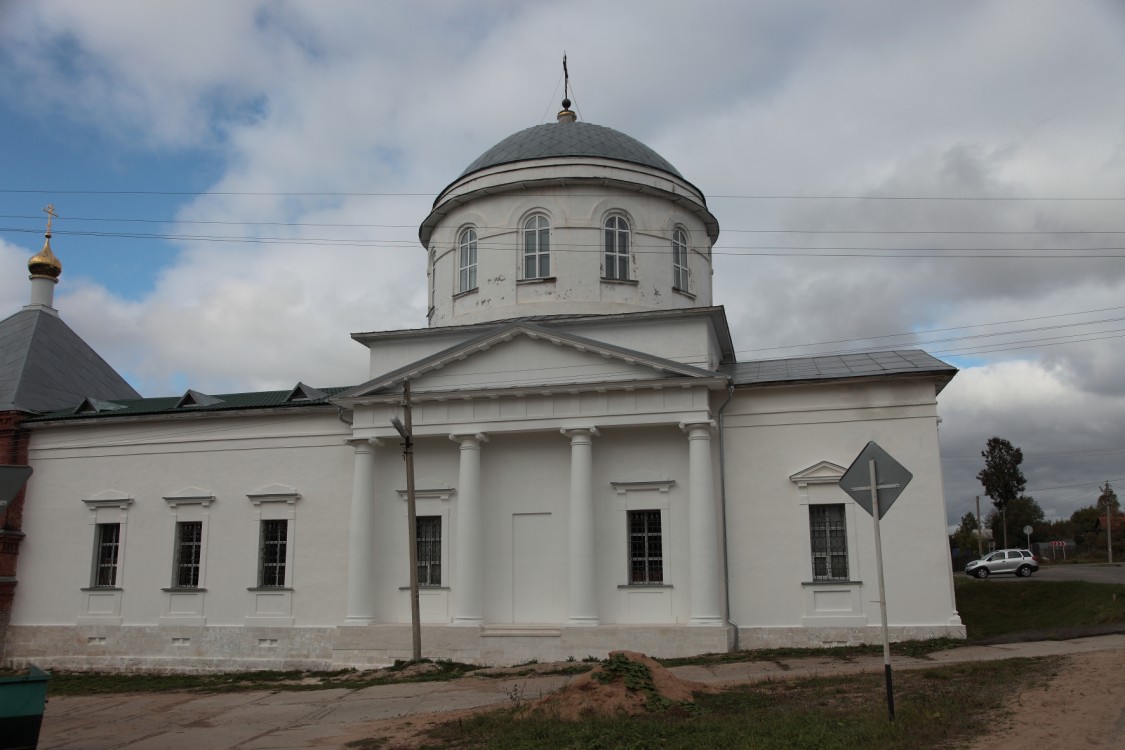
[270, 588]
[631, 282]
[644, 586]
[466, 293]
[537, 280]
[423, 587]
[683, 292]
[834, 582]
[103, 588]
[183, 589]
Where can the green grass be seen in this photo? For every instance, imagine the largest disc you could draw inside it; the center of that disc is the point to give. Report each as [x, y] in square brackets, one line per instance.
[989, 610]
[945, 706]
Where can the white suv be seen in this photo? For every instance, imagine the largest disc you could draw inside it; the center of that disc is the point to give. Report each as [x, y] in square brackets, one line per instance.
[1018, 561]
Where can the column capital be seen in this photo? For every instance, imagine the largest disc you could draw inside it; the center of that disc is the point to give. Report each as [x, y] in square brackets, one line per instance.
[573, 432]
[359, 443]
[476, 437]
[703, 424]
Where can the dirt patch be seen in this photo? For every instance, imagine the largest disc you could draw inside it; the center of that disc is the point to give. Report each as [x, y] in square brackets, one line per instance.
[627, 683]
[1083, 705]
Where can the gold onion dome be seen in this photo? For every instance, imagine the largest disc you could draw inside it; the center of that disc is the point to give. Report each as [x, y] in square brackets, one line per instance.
[44, 263]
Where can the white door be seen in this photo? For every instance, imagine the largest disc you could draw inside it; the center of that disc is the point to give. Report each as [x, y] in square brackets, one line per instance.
[535, 582]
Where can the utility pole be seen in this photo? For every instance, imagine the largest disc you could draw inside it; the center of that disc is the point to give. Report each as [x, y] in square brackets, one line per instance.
[407, 432]
[980, 531]
[1108, 521]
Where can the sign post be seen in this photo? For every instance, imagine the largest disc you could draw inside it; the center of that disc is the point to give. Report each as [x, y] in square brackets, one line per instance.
[874, 481]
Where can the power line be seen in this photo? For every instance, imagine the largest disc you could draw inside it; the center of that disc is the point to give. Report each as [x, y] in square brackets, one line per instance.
[726, 230]
[1089, 253]
[728, 196]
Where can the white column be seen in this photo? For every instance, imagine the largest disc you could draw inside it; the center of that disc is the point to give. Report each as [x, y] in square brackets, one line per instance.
[704, 543]
[361, 534]
[468, 544]
[583, 591]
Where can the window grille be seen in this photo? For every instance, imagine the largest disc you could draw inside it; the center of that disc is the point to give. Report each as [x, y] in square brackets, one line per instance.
[617, 248]
[429, 550]
[536, 247]
[680, 260]
[107, 547]
[189, 546]
[467, 261]
[646, 547]
[271, 570]
[829, 542]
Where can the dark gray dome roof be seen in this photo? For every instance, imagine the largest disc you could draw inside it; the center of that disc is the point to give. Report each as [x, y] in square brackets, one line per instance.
[570, 139]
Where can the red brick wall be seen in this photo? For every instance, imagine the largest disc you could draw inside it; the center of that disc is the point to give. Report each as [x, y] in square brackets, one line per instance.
[13, 451]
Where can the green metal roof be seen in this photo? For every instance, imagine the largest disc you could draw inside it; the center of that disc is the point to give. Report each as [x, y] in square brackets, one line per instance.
[296, 397]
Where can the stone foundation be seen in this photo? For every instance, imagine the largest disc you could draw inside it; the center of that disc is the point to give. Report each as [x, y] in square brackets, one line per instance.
[162, 648]
[756, 638]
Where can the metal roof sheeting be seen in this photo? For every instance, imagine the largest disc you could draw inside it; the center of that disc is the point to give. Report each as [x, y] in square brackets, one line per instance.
[46, 366]
[837, 366]
[570, 139]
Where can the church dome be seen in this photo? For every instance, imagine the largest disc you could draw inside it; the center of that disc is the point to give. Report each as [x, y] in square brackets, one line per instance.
[564, 139]
[567, 218]
[44, 263]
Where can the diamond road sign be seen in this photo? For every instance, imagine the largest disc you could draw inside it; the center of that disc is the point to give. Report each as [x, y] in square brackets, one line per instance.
[891, 478]
[12, 480]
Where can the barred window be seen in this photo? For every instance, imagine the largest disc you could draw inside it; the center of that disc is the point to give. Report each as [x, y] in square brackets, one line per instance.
[271, 565]
[107, 545]
[467, 261]
[189, 547]
[829, 542]
[646, 547]
[679, 260]
[429, 550]
[536, 247]
[617, 248]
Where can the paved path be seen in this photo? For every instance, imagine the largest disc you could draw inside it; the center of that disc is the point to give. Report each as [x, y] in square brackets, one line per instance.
[263, 720]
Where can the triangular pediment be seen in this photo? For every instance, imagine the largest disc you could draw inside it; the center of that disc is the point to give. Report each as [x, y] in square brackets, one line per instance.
[822, 472]
[302, 392]
[524, 355]
[195, 398]
[95, 406]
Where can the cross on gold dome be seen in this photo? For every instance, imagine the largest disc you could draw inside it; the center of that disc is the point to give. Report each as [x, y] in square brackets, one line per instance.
[50, 211]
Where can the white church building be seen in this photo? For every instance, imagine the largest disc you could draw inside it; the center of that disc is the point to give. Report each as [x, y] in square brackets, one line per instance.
[595, 469]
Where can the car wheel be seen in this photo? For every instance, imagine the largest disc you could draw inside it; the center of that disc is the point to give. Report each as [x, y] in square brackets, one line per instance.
[1023, 571]
[981, 573]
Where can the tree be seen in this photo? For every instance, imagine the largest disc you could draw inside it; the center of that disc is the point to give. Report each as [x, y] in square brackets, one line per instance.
[1023, 511]
[1001, 476]
[965, 537]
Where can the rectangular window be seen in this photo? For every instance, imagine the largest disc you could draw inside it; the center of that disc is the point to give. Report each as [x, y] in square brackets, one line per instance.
[189, 547]
[617, 248]
[536, 248]
[680, 274]
[646, 547]
[429, 550]
[467, 261]
[829, 542]
[107, 545]
[271, 568]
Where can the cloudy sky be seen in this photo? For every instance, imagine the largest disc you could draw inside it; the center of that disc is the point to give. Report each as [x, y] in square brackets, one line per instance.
[239, 184]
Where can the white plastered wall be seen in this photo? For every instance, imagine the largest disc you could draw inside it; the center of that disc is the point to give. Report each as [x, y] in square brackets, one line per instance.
[773, 433]
[200, 469]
